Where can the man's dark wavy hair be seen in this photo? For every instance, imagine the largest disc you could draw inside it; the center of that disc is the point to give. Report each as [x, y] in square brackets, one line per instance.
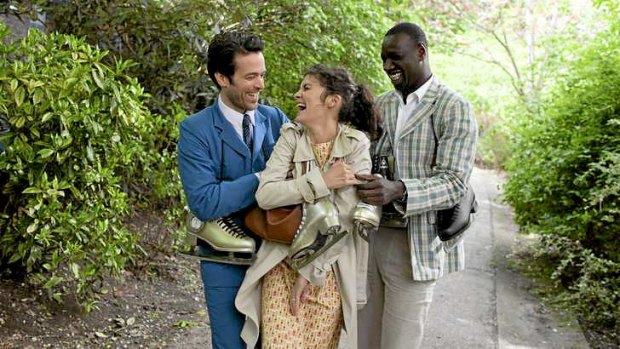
[224, 47]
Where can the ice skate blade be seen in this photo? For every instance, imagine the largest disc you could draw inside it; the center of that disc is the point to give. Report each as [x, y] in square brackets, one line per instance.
[217, 245]
[306, 255]
[364, 229]
[448, 245]
[220, 259]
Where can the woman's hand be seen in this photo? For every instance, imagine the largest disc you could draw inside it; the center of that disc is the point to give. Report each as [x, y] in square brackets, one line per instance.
[339, 175]
[299, 294]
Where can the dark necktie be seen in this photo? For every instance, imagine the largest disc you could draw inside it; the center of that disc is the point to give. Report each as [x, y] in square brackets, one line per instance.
[247, 132]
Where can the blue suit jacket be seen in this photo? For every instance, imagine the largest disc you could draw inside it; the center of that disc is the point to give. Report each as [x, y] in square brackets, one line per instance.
[216, 167]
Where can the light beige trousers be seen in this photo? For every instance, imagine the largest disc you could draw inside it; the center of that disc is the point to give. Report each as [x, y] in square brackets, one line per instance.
[397, 305]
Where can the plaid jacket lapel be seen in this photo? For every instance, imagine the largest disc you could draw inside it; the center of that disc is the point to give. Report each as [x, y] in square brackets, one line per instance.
[424, 109]
[388, 103]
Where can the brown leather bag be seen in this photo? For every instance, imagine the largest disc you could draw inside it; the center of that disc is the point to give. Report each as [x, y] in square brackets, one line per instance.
[278, 224]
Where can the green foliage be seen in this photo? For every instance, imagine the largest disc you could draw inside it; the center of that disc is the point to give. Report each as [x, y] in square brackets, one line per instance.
[78, 133]
[344, 33]
[20, 7]
[564, 176]
[169, 41]
[582, 282]
[571, 152]
[522, 40]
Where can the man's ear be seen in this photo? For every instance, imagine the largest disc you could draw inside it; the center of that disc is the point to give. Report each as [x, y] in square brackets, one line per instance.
[222, 79]
[421, 48]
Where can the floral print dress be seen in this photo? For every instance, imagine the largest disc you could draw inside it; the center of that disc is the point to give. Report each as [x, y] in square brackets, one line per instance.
[320, 320]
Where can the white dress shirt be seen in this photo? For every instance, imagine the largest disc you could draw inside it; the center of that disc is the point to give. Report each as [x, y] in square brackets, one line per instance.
[235, 118]
[406, 110]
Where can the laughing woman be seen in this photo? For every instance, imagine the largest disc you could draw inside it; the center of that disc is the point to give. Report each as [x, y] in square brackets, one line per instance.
[308, 308]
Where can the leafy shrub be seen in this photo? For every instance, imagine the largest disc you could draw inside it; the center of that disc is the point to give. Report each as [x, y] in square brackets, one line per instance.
[344, 33]
[78, 132]
[583, 282]
[169, 41]
[565, 175]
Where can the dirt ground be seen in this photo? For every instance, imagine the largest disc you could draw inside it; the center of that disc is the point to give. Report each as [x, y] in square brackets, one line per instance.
[158, 305]
[156, 312]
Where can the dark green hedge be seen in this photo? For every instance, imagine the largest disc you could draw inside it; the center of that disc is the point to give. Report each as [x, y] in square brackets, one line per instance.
[80, 135]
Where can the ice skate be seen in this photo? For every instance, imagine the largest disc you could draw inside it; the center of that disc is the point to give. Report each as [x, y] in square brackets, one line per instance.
[319, 230]
[366, 219]
[452, 223]
[231, 244]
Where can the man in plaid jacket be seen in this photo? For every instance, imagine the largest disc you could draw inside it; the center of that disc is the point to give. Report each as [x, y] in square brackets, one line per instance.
[406, 261]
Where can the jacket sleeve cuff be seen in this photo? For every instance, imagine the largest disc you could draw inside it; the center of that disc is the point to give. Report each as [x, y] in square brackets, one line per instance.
[312, 186]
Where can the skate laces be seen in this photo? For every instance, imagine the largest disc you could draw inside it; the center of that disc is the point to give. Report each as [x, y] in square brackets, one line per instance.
[229, 226]
[303, 221]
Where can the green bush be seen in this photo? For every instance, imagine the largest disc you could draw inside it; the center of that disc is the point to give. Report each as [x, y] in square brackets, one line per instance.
[565, 175]
[169, 41]
[582, 282]
[79, 130]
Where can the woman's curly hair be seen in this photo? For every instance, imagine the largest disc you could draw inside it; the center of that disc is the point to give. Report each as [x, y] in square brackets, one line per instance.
[358, 106]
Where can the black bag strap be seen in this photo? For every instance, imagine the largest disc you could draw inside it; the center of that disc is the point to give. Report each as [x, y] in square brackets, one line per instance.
[436, 140]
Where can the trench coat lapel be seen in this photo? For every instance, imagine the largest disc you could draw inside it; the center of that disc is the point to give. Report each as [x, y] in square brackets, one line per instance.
[303, 150]
[340, 148]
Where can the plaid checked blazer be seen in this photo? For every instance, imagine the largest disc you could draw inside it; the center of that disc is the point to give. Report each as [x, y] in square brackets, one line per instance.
[432, 184]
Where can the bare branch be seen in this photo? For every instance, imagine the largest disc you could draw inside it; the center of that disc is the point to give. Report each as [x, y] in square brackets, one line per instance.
[503, 41]
[516, 84]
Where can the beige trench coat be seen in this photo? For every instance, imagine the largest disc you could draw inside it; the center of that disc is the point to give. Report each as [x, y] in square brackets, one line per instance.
[348, 258]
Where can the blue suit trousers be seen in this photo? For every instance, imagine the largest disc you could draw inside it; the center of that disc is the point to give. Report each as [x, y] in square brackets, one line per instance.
[221, 284]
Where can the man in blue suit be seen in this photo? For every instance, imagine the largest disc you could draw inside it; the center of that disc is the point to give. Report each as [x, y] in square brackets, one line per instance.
[222, 150]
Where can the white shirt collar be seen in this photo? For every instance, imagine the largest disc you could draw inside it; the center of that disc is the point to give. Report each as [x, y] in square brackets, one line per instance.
[232, 115]
[406, 110]
[419, 93]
